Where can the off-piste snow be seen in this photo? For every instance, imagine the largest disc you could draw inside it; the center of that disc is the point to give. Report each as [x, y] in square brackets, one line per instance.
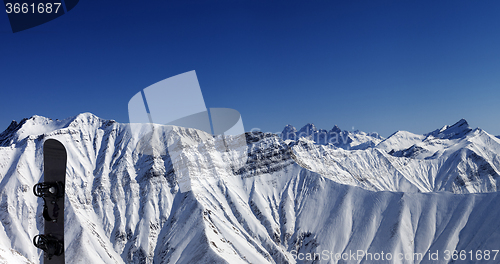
[329, 196]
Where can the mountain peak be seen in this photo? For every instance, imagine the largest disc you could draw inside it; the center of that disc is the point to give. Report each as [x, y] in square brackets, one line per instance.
[289, 132]
[462, 122]
[84, 118]
[6, 135]
[309, 127]
[289, 128]
[335, 136]
[38, 120]
[336, 129]
[37, 125]
[457, 130]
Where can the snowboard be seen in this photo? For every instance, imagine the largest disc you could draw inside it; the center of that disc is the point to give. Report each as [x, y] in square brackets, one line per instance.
[52, 191]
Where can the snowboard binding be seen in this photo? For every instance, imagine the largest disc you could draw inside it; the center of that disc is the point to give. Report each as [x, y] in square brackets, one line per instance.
[50, 192]
[49, 244]
[53, 190]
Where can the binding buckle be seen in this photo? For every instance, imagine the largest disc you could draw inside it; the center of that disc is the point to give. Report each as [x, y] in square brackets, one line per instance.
[50, 192]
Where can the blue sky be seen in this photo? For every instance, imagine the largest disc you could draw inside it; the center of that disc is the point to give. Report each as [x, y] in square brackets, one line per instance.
[377, 66]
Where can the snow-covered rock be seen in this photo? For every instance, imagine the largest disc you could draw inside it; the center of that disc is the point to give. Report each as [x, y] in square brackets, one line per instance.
[336, 137]
[271, 201]
[458, 130]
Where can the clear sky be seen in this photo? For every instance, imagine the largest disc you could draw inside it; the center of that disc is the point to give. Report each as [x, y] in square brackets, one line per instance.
[376, 65]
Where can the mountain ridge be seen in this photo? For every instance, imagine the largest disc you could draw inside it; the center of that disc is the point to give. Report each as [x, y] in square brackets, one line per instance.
[288, 196]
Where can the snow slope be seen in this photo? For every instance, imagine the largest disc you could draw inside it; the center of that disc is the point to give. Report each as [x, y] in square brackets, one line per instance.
[264, 203]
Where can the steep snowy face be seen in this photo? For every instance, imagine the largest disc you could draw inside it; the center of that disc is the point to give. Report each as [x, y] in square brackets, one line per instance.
[458, 130]
[265, 202]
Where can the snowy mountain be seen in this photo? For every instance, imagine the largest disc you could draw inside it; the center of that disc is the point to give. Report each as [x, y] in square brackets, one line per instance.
[336, 137]
[458, 130]
[281, 203]
[454, 158]
[400, 140]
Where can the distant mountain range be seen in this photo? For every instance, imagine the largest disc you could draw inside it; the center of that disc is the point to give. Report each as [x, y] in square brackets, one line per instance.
[275, 200]
[453, 158]
[337, 137]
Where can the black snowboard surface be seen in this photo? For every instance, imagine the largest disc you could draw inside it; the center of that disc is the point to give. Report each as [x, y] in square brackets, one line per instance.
[54, 167]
